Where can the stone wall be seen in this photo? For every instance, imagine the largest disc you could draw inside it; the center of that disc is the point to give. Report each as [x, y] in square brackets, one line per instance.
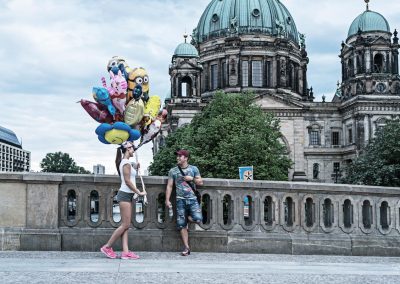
[78, 212]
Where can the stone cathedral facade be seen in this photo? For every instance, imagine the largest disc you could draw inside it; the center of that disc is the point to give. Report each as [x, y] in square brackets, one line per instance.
[254, 45]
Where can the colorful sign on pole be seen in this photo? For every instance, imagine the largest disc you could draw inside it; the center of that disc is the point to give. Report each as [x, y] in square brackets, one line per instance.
[246, 173]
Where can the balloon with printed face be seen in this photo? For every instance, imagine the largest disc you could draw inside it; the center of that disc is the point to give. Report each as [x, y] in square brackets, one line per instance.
[117, 133]
[138, 76]
[97, 111]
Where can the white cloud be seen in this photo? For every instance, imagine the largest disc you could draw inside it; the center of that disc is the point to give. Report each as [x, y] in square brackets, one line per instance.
[53, 52]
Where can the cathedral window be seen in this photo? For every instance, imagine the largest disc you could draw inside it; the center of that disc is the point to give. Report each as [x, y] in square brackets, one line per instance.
[245, 73]
[256, 73]
[350, 135]
[214, 77]
[350, 68]
[314, 138]
[378, 63]
[314, 132]
[336, 172]
[335, 138]
[380, 123]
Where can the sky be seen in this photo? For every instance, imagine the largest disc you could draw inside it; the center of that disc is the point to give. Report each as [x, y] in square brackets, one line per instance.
[53, 52]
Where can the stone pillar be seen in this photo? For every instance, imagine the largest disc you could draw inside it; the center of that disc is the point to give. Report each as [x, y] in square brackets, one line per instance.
[343, 70]
[274, 74]
[250, 72]
[395, 62]
[366, 129]
[299, 141]
[220, 85]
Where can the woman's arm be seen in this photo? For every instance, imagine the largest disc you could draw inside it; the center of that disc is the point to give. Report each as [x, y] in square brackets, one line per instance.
[126, 170]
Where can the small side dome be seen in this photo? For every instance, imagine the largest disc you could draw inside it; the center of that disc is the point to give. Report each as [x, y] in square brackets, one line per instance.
[186, 50]
[369, 21]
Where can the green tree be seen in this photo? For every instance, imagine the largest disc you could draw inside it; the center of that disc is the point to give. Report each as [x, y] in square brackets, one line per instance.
[230, 132]
[379, 163]
[60, 162]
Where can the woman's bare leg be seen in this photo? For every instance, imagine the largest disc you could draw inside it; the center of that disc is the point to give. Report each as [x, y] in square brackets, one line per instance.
[126, 213]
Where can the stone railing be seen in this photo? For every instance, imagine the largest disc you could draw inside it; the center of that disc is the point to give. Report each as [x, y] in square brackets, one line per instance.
[79, 212]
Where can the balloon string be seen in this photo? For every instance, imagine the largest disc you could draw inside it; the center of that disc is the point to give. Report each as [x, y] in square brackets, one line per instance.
[141, 179]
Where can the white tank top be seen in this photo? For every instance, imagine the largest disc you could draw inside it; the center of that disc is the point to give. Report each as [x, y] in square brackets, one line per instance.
[124, 187]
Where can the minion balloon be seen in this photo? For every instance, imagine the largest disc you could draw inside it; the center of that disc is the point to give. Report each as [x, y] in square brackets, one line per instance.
[138, 76]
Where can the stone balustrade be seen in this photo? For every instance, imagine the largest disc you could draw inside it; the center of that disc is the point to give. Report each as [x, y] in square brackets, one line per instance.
[79, 212]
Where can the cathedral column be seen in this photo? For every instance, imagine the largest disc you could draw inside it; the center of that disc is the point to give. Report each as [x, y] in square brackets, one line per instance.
[354, 129]
[250, 71]
[395, 62]
[366, 128]
[274, 72]
[371, 56]
[304, 69]
[387, 70]
[299, 143]
[176, 86]
[343, 70]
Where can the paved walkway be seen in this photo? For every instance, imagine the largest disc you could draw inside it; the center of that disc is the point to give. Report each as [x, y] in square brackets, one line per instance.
[91, 267]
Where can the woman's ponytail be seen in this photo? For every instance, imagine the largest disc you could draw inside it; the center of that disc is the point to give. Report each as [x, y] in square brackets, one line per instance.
[118, 158]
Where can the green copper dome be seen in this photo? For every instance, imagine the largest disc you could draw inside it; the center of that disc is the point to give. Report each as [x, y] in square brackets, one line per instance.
[186, 50]
[369, 21]
[238, 17]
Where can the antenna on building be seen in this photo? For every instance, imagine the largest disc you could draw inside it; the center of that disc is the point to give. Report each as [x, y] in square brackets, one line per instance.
[367, 1]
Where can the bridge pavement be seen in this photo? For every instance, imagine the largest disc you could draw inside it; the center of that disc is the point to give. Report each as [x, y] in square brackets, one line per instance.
[169, 267]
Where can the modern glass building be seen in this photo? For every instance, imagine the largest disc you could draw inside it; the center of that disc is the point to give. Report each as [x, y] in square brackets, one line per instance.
[12, 157]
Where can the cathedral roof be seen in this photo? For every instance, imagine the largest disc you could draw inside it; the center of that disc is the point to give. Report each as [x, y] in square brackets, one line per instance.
[9, 137]
[186, 50]
[229, 17]
[369, 21]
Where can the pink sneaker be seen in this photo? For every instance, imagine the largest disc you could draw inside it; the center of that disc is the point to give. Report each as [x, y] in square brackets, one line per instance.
[109, 252]
[129, 255]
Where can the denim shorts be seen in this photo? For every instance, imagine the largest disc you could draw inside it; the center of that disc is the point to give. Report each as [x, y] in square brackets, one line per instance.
[124, 196]
[187, 207]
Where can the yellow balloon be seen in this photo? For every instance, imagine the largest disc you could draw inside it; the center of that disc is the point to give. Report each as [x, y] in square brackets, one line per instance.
[152, 107]
[134, 112]
[116, 136]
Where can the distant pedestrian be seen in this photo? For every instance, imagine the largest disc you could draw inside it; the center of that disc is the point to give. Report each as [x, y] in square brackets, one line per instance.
[125, 196]
[186, 177]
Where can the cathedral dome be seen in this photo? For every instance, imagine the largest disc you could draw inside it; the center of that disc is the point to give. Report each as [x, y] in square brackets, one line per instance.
[186, 50]
[369, 21]
[227, 17]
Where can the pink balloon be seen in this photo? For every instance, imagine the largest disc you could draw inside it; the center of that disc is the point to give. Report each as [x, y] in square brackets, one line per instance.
[97, 111]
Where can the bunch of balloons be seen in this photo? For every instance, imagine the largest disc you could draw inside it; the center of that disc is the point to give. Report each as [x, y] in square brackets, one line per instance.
[124, 108]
